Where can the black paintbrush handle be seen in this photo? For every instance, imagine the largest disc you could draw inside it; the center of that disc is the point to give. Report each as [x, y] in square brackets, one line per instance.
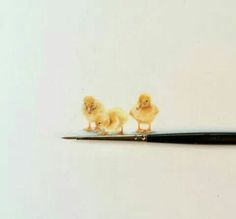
[194, 138]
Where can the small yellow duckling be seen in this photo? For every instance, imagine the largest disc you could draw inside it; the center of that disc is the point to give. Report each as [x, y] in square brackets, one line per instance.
[91, 108]
[144, 112]
[112, 121]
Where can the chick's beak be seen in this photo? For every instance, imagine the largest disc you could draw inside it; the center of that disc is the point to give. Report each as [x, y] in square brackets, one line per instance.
[89, 109]
[143, 104]
[139, 106]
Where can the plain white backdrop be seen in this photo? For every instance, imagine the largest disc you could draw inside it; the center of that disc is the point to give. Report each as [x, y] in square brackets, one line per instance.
[55, 52]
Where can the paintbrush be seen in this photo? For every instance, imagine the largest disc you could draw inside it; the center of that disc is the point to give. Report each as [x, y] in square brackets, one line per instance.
[222, 138]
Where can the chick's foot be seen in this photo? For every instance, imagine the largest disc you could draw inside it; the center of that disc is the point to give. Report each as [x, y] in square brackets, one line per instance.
[139, 130]
[88, 129]
[120, 133]
[97, 129]
[103, 133]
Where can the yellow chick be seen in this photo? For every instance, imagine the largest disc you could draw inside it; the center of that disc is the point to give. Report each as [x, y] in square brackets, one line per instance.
[91, 108]
[144, 112]
[112, 121]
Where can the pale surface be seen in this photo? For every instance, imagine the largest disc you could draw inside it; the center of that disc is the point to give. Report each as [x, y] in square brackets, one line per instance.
[55, 52]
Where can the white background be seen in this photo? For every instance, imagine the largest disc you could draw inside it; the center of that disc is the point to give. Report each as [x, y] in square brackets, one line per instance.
[54, 52]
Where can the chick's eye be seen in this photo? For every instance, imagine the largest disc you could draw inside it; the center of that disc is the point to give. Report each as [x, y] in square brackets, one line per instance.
[146, 101]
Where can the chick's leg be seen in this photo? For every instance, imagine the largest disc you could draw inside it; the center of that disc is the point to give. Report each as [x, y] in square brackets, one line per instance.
[139, 128]
[97, 129]
[89, 128]
[149, 127]
[121, 132]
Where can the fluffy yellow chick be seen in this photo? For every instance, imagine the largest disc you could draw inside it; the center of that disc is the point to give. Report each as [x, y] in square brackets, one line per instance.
[112, 121]
[91, 108]
[144, 112]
